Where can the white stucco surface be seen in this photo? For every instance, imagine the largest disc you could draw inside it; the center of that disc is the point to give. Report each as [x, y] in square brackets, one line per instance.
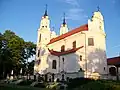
[93, 57]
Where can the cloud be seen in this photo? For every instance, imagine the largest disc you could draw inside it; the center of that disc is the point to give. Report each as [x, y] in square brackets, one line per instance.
[71, 2]
[116, 46]
[76, 14]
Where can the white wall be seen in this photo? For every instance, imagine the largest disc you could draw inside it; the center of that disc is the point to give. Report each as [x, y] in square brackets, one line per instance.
[95, 55]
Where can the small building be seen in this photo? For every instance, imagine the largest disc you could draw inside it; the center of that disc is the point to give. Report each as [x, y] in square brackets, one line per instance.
[113, 67]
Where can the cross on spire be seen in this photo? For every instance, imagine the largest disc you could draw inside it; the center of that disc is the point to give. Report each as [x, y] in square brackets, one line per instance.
[45, 10]
[98, 8]
[64, 19]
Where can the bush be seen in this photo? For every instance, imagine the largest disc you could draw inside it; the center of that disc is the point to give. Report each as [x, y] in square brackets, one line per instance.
[26, 82]
[40, 85]
[99, 85]
[73, 83]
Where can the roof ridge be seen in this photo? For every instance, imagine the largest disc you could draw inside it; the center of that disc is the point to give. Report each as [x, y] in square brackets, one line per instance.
[74, 31]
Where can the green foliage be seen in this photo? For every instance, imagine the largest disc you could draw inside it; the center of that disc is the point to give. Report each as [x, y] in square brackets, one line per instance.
[41, 85]
[87, 84]
[73, 83]
[98, 85]
[14, 52]
[14, 87]
[31, 67]
[25, 82]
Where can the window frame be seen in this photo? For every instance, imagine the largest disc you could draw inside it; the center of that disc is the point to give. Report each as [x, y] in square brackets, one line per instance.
[74, 44]
[80, 57]
[62, 48]
[54, 64]
[40, 38]
[38, 53]
[91, 41]
[63, 60]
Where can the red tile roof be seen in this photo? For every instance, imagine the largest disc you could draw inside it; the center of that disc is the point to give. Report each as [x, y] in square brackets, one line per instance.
[113, 61]
[56, 53]
[74, 31]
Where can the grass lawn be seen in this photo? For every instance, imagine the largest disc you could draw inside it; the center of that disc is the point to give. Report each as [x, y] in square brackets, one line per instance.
[15, 87]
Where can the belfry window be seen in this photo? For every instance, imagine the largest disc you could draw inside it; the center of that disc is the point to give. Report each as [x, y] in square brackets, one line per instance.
[90, 42]
[63, 48]
[74, 44]
[54, 63]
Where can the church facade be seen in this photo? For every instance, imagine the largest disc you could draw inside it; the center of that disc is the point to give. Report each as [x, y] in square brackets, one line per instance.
[80, 52]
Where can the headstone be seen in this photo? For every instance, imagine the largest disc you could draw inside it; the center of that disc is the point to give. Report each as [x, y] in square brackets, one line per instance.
[46, 77]
[53, 77]
[39, 78]
[34, 77]
[62, 77]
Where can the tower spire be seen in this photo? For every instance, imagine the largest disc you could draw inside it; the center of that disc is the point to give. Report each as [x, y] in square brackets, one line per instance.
[46, 11]
[64, 19]
[63, 28]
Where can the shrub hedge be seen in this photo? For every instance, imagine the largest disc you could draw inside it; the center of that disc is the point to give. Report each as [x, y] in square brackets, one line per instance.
[25, 82]
[90, 84]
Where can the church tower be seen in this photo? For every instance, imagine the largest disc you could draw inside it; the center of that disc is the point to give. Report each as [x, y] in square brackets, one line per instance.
[97, 21]
[63, 28]
[96, 44]
[42, 40]
[44, 30]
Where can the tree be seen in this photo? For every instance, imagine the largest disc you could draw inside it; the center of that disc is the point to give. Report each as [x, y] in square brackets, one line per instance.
[14, 52]
[5, 54]
[31, 67]
[30, 50]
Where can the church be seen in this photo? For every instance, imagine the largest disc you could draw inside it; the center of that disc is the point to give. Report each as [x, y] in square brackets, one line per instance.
[76, 53]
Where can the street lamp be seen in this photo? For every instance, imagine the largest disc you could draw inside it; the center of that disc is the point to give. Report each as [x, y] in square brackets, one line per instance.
[85, 52]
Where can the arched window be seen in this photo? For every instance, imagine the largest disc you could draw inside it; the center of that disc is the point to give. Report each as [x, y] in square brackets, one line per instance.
[63, 48]
[40, 38]
[63, 60]
[74, 44]
[104, 68]
[38, 53]
[80, 57]
[112, 71]
[38, 62]
[54, 63]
